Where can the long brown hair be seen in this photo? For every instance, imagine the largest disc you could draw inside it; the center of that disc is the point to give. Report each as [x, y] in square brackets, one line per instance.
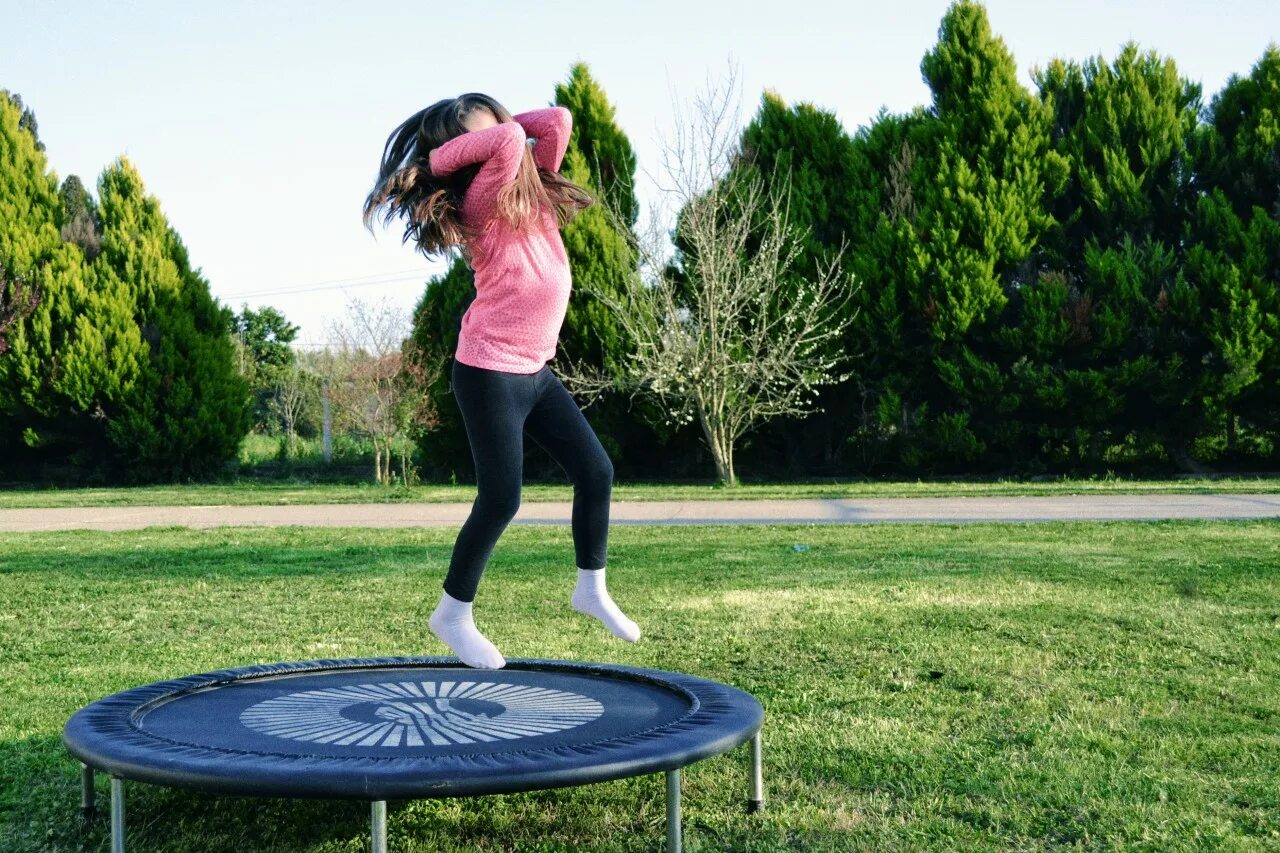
[431, 206]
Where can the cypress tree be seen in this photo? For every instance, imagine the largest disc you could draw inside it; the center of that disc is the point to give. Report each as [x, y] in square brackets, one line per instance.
[189, 410]
[1239, 148]
[888, 333]
[1125, 363]
[1234, 249]
[437, 321]
[608, 159]
[961, 206]
[81, 224]
[77, 355]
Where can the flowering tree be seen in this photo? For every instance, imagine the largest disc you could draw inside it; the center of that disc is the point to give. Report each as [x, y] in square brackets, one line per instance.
[727, 332]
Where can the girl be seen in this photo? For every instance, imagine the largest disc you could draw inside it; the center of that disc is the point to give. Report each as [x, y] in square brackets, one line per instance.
[465, 172]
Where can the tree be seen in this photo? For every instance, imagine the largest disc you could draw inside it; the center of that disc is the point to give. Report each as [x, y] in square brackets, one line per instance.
[263, 353]
[809, 147]
[75, 356]
[947, 206]
[980, 218]
[369, 384]
[713, 340]
[1120, 355]
[593, 346]
[267, 335]
[1238, 150]
[437, 320]
[1233, 253]
[26, 118]
[598, 254]
[291, 393]
[80, 220]
[189, 410]
[608, 158]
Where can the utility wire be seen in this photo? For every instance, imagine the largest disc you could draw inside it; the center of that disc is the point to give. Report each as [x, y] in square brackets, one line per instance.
[334, 284]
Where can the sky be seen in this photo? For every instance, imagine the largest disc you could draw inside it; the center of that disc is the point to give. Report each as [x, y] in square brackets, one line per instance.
[259, 125]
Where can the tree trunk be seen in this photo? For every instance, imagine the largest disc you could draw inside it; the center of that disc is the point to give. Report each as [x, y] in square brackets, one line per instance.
[328, 424]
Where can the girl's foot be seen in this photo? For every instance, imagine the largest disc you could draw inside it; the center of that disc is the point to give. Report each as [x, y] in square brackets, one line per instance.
[452, 623]
[590, 597]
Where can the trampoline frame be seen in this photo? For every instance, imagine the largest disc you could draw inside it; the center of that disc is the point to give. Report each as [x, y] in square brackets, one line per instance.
[378, 808]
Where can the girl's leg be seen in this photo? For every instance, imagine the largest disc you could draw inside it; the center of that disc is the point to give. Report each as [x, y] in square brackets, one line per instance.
[493, 405]
[557, 424]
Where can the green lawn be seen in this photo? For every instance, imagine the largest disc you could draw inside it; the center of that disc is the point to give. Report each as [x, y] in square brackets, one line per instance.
[286, 492]
[937, 686]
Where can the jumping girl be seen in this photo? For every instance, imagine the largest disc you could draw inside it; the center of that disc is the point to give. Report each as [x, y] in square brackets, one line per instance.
[464, 172]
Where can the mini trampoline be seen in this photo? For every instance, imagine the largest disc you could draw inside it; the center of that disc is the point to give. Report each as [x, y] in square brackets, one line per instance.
[377, 729]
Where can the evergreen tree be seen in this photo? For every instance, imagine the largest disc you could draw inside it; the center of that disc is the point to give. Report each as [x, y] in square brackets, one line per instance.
[1234, 248]
[1239, 152]
[1234, 266]
[26, 118]
[1119, 357]
[608, 159]
[190, 409]
[437, 321]
[889, 333]
[77, 355]
[960, 191]
[80, 220]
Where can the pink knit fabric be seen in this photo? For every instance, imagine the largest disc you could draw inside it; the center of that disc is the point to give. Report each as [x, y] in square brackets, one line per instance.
[522, 276]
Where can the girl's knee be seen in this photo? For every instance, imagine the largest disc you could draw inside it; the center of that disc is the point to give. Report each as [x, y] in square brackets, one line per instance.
[596, 477]
[499, 504]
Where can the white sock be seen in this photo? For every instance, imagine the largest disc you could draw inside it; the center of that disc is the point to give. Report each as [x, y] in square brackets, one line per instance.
[592, 598]
[452, 623]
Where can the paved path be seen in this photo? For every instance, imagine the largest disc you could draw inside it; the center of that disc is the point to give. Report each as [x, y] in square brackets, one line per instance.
[835, 511]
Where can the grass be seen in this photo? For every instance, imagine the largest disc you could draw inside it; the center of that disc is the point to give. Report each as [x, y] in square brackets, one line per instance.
[936, 686]
[294, 492]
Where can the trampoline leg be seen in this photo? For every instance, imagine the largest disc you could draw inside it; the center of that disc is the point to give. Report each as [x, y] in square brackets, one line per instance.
[673, 811]
[756, 802]
[87, 806]
[117, 815]
[379, 820]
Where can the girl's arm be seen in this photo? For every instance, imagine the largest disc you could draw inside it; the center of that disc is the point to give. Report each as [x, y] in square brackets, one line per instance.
[499, 147]
[551, 127]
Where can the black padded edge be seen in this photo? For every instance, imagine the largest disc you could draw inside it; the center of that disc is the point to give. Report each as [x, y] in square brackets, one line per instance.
[103, 736]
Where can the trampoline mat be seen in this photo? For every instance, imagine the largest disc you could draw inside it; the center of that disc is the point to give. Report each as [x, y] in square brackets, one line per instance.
[380, 728]
[374, 713]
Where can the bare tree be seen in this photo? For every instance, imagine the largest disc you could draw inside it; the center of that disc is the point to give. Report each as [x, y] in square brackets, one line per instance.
[293, 388]
[726, 332]
[369, 386]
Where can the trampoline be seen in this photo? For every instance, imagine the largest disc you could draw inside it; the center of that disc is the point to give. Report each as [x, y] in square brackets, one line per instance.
[377, 729]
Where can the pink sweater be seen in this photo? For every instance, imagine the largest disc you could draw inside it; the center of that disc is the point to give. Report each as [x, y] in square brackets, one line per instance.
[522, 277]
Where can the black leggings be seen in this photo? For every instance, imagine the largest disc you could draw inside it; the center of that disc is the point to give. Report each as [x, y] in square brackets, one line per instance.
[498, 408]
